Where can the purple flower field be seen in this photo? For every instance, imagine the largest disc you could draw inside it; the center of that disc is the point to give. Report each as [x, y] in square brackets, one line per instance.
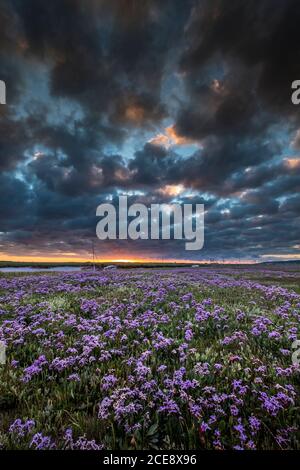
[150, 359]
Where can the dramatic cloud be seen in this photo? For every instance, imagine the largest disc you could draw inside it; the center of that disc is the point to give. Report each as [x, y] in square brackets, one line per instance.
[180, 100]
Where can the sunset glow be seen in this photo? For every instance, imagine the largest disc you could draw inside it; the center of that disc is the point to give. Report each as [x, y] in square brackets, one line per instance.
[75, 259]
[158, 102]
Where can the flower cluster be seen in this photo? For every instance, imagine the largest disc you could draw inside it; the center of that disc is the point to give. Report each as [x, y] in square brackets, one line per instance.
[177, 358]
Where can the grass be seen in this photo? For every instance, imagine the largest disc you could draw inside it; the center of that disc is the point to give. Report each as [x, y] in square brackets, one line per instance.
[157, 356]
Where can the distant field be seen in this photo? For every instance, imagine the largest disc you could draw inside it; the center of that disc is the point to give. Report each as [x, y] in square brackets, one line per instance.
[176, 358]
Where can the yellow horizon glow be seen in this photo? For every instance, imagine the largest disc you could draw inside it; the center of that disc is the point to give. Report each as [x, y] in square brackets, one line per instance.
[60, 259]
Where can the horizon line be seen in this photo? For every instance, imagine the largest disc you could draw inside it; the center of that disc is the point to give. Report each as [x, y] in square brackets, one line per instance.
[65, 261]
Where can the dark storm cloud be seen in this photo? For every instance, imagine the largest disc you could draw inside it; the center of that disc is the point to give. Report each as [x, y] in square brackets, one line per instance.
[16, 201]
[89, 84]
[107, 55]
[14, 138]
[60, 177]
[261, 37]
[211, 169]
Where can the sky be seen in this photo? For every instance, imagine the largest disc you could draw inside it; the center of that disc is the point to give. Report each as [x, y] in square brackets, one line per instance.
[183, 101]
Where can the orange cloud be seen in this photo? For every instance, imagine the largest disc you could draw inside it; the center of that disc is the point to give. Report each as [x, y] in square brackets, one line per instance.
[177, 139]
[170, 138]
[172, 189]
[135, 114]
[292, 163]
[161, 140]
